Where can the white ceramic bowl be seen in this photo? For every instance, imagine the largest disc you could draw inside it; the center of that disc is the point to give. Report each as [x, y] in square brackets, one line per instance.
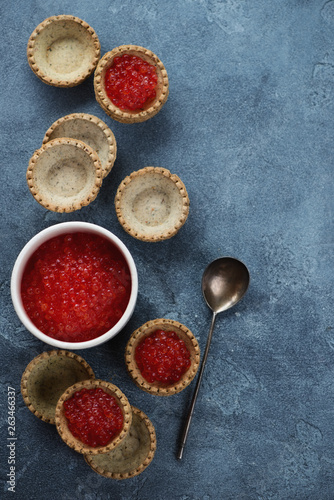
[31, 247]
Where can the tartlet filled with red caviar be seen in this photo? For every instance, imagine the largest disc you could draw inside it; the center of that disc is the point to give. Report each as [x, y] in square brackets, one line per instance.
[63, 51]
[93, 416]
[131, 84]
[64, 175]
[90, 130]
[152, 204]
[133, 455]
[162, 357]
[47, 377]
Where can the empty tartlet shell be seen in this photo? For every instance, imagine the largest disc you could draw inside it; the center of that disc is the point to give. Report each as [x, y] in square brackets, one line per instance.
[144, 331]
[63, 51]
[47, 377]
[64, 175]
[90, 130]
[153, 107]
[152, 204]
[133, 455]
[76, 444]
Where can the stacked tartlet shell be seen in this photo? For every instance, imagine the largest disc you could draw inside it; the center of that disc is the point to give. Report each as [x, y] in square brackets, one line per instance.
[144, 331]
[152, 204]
[72, 441]
[47, 377]
[53, 377]
[133, 455]
[64, 175]
[63, 51]
[90, 130]
[152, 108]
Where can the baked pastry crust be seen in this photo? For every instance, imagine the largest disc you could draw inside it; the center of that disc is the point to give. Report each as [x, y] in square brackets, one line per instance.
[152, 204]
[90, 130]
[133, 455]
[61, 421]
[144, 331]
[63, 51]
[162, 88]
[46, 378]
[64, 175]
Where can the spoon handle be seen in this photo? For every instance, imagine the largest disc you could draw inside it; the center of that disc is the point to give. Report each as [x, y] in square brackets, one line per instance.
[198, 383]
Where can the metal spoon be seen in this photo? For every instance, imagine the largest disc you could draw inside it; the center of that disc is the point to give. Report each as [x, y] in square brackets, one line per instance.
[224, 283]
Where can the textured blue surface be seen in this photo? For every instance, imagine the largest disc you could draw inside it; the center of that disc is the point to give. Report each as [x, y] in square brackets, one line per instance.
[249, 128]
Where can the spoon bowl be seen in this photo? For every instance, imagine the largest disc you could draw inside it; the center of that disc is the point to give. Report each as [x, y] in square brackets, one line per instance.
[224, 282]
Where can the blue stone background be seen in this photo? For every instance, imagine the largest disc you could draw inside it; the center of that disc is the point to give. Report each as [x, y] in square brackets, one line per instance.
[249, 128]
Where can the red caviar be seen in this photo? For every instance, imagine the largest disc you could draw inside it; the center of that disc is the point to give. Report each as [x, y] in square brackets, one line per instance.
[93, 416]
[76, 287]
[162, 357]
[130, 82]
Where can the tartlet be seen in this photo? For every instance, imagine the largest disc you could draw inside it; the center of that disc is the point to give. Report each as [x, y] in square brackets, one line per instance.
[152, 204]
[90, 130]
[72, 441]
[144, 331]
[64, 175]
[131, 116]
[63, 51]
[133, 455]
[47, 377]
